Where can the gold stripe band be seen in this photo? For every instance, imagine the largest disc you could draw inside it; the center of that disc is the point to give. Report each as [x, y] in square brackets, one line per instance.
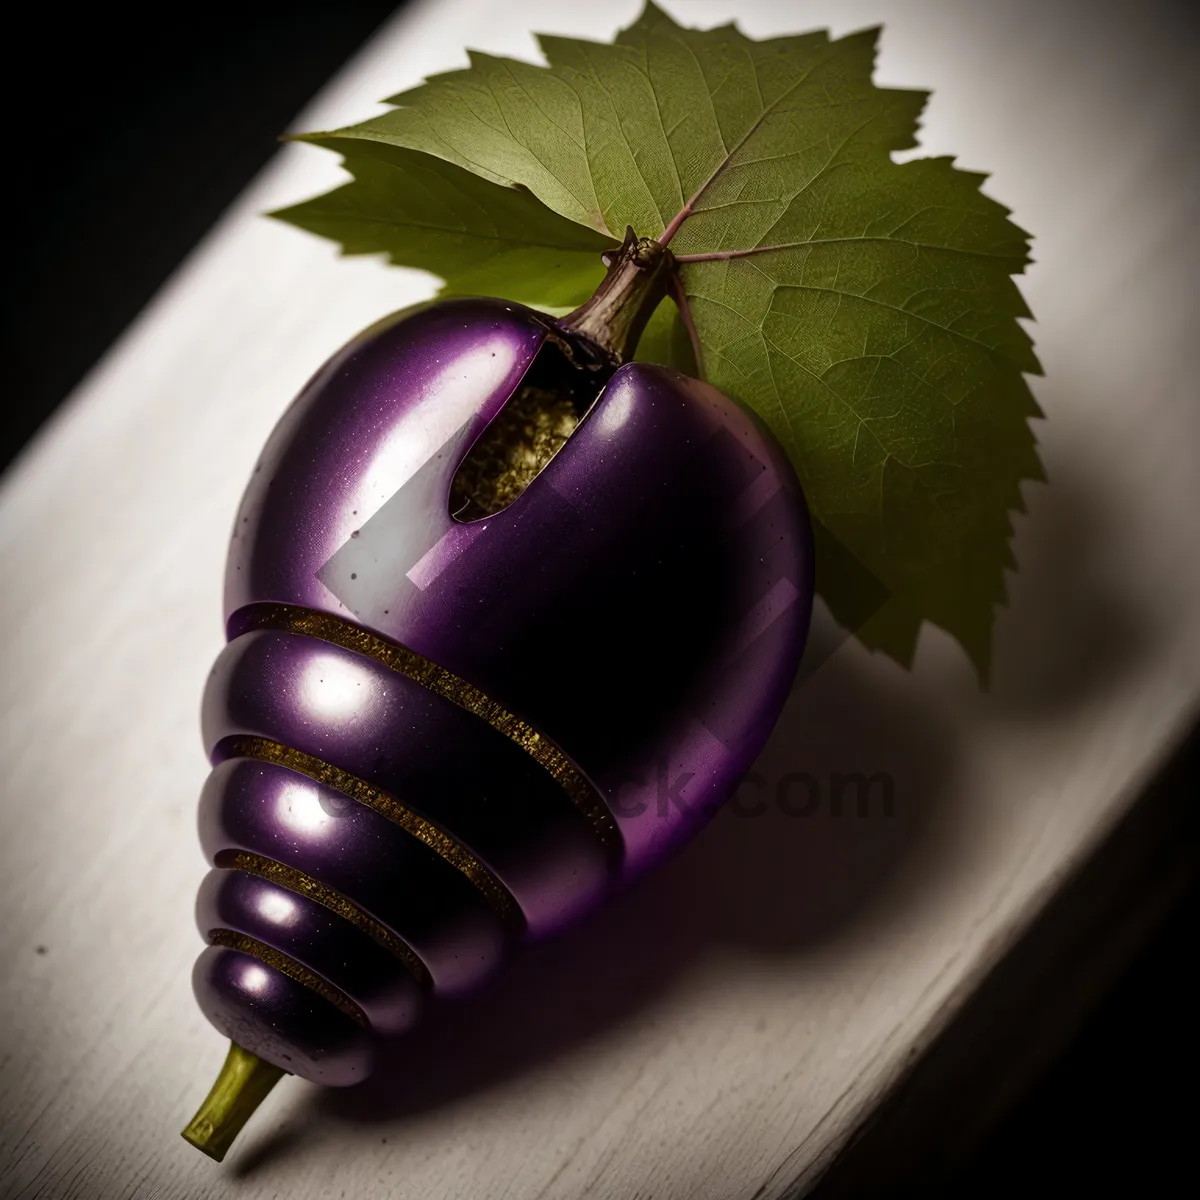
[440, 842]
[286, 965]
[329, 628]
[305, 885]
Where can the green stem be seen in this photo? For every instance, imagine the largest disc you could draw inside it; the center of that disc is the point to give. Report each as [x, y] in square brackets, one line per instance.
[241, 1087]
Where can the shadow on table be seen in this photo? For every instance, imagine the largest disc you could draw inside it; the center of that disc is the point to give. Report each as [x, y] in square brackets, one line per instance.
[1073, 628]
[860, 768]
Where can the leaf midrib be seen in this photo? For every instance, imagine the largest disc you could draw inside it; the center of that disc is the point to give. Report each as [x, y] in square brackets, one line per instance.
[672, 226]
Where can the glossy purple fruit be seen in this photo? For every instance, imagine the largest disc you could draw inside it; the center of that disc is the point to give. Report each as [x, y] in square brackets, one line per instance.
[434, 735]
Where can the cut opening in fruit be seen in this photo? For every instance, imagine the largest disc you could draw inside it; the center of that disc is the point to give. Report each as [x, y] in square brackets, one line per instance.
[533, 426]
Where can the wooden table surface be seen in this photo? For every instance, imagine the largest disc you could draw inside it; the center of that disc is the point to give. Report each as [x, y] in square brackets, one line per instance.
[721, 1030]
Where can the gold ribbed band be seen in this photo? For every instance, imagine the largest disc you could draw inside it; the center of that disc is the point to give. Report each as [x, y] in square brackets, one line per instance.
[440, 842]
[305, 885]
[328, 628]
[285, 964]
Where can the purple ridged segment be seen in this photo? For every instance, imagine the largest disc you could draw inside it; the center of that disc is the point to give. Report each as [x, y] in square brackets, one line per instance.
[379, 983]
[280, 1020]
[275, 812]
[430, 754]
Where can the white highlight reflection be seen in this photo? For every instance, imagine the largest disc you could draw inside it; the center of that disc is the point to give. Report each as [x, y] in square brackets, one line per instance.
[613, 409]
[448, 400]
[277, 907]
[255, 979]
[334, 687]
[299, 808]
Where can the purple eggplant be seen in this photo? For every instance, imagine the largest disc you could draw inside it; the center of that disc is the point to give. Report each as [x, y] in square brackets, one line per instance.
[508, 616]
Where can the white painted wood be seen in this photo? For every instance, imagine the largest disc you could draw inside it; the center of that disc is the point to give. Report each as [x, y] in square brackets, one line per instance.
[717, 1032]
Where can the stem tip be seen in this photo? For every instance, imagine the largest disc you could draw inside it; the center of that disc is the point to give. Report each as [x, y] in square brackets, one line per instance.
[241, 1087]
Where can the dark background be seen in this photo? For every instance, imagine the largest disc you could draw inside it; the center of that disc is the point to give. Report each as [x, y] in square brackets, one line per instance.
[1116, 1114]
[154, 128]
[158, 121]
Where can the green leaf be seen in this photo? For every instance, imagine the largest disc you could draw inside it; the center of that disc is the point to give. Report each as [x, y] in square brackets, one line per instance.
[889, 362]
[865, 308]
[665, 340]
[482, 239]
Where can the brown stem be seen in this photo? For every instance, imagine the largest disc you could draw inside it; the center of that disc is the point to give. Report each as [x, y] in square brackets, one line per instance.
[613, 318]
